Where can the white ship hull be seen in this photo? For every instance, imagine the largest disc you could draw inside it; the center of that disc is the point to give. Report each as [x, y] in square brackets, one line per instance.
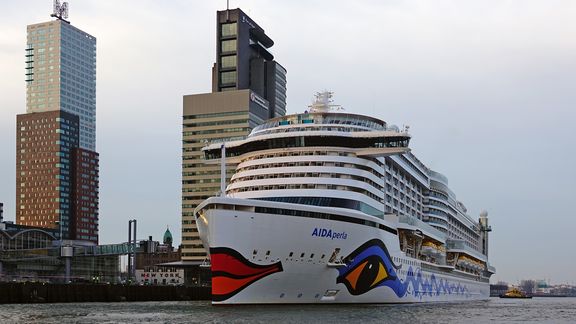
[259, 258]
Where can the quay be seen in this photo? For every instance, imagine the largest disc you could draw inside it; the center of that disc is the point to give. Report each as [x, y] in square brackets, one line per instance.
[35, 292]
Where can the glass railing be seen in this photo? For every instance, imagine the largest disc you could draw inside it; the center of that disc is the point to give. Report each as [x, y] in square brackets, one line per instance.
[325, 119]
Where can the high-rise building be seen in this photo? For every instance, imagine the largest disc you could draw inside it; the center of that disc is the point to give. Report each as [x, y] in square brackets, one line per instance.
[61, 74]
[45, 144]
[244, 62]
[248, 88]
[57, 166]
[85, 169]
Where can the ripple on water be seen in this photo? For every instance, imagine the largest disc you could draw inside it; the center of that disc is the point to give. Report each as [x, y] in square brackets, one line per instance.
[536, 310]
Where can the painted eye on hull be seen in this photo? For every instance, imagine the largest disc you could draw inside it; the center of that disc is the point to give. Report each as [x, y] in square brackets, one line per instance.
[232, 272]
[367, 274]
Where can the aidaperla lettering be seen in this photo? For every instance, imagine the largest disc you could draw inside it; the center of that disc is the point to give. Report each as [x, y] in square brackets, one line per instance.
[328, 233]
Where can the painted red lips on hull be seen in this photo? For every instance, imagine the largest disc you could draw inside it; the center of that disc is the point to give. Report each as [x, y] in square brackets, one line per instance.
[231, 272]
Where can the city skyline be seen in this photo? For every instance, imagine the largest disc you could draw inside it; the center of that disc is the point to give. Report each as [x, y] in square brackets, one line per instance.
[485, 87]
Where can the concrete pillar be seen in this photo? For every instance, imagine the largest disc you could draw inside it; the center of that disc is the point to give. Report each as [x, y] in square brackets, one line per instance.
[68, 268]
[129, 270]
[134, 255]
[67, 252]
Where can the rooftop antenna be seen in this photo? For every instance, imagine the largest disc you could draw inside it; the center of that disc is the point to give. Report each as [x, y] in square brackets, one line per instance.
[60, 11]
[227, 10]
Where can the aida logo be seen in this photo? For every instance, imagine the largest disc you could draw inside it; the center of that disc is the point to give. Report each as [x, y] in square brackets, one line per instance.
[328, 233]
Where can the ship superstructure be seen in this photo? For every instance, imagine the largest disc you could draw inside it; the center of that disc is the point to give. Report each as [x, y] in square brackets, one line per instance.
[329, 206]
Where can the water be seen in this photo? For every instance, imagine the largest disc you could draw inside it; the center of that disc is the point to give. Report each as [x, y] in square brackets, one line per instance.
[537, 310]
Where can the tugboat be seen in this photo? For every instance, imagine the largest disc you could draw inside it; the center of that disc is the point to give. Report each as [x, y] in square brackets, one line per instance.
[515, 293]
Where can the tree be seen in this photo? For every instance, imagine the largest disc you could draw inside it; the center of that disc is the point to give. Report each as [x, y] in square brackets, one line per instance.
[527, 286]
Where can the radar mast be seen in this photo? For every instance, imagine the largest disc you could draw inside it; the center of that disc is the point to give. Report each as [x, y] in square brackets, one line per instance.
[323, 103]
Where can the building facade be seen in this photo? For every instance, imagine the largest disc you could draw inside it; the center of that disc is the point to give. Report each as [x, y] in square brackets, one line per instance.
[61, 74]
[85, 196]
[223, 116]
[44, 180]
[152, 254]
[243, 60]
[249, 87]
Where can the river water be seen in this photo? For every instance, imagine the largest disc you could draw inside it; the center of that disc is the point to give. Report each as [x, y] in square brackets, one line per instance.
[536, 310]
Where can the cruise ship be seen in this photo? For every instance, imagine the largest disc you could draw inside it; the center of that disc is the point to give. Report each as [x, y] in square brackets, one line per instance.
[332, 207]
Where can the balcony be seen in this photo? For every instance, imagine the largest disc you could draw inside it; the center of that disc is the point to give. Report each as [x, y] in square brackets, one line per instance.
[491, 269]
[461, 247]
[417, 224]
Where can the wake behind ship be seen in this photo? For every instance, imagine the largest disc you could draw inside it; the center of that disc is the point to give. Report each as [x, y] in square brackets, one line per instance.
[331, 207]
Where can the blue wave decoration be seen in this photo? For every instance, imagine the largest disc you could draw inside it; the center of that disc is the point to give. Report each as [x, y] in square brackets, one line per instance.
[425, 287]
[371, 266]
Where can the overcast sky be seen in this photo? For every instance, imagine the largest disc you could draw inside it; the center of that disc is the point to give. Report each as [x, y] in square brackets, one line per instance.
[488, 88]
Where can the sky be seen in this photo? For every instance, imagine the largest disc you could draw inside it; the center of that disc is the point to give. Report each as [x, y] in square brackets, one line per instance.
[487, 87]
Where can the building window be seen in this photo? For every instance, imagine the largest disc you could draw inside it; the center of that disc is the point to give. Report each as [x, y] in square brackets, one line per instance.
[228, 77]
[229, 29]
[228, 61]
[228, 45]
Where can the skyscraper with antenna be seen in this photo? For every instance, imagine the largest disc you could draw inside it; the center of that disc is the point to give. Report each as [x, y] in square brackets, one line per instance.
[56, 163]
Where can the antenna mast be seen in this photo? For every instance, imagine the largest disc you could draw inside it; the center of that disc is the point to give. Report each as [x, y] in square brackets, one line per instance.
[227, 10]
[60, 11]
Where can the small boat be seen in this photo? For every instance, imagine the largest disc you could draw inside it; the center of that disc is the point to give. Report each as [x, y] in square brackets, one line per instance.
[515, 293]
